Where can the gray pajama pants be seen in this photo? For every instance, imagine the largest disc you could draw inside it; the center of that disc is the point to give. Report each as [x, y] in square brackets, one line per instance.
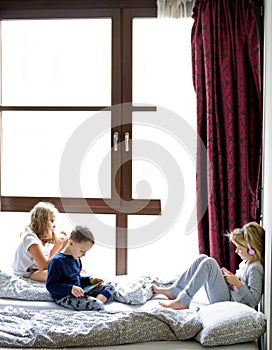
[206, 272]
[88, 301]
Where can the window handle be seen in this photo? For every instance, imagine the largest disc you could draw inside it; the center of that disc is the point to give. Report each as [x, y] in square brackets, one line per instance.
[126, 141]
[115, 141]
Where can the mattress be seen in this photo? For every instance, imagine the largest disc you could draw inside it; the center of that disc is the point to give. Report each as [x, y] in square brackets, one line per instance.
[134, 298]
[117, 306]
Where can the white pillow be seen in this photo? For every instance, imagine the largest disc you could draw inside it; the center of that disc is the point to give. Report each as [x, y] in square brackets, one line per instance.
[230, 322]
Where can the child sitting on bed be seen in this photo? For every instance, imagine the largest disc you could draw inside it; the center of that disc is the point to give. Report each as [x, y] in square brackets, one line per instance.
[39, 243]
[67, 286]
[220, 284]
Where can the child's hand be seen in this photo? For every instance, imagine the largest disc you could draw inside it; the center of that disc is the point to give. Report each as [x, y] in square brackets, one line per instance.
[231, 278]
[225, 271]
[62, 239]
[77, 291]
[234, 281]
[94, 280]
[62, 236]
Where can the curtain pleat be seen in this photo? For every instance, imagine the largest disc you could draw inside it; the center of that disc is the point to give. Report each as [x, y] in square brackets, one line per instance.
[226, 58]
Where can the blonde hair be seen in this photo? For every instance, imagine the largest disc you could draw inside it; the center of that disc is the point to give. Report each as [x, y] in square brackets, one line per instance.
[251, 236]
[40, 217]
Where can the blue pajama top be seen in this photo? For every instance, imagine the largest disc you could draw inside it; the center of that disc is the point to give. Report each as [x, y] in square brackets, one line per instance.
[63, 274]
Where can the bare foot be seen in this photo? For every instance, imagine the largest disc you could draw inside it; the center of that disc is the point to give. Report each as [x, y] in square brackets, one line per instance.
[163, 291]
[102, 298]
[175, 305]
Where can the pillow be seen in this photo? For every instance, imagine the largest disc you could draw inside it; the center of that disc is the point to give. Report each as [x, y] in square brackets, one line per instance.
[230, 322]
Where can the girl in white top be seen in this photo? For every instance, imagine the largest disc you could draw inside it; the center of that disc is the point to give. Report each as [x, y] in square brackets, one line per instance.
[39, 243]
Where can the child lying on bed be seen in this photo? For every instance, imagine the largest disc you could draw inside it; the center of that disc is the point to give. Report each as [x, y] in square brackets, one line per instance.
[220, 284]
[66, 285]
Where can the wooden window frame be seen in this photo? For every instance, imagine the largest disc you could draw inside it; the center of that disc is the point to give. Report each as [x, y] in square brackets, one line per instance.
[122, 14]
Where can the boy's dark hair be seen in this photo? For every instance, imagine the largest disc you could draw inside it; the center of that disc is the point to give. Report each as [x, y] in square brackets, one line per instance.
[82, 234]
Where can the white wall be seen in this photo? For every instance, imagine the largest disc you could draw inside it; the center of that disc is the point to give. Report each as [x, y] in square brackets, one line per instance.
[267, 178]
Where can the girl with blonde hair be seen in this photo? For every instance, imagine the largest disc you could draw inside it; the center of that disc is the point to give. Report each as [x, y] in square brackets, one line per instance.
[39, 243]
[245, 286]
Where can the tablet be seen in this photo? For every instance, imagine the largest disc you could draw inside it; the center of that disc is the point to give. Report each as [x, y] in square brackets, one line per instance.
[90, 287]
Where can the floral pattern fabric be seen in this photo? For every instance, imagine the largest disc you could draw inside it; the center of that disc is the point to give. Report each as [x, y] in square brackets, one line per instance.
[226, 58]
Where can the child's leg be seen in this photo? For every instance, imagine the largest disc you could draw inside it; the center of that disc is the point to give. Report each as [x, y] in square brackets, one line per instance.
[106, 293]
[208, 274]
[103, 292]
[173, 291]
[38, 275]
[82, 303]
[180, 284]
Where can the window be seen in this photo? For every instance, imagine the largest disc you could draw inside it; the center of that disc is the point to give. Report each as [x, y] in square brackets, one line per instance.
[86, 129]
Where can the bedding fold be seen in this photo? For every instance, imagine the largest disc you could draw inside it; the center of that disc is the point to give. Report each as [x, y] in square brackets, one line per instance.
[63, 328]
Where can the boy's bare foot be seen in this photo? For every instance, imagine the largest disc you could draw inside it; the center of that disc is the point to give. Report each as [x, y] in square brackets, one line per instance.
[163, 291]
[175, 305]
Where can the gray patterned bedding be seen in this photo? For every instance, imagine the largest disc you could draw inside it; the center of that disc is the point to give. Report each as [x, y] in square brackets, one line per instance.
[135, 317]
[61, 328]
[66, 328]
[134, 292]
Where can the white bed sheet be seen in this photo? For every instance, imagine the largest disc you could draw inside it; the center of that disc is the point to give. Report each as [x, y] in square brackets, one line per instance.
[110, 306]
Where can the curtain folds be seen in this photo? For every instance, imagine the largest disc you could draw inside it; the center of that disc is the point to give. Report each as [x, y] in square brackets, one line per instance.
[226, 58]
[175, 8]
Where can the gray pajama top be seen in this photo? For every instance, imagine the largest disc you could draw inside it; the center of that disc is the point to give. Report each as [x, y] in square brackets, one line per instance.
[252, 277]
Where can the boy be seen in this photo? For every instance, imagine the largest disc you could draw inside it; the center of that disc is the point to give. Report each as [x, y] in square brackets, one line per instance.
[64, 282]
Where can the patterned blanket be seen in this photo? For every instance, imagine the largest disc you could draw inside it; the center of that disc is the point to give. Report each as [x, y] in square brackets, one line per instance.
[64, 328]
[135, 292]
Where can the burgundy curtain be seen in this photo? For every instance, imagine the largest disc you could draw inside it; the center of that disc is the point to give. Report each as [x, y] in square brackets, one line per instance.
[226, 58]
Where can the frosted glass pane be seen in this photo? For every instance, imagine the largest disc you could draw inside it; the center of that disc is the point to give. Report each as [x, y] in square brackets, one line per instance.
[164, 160]
[164, 147]
[162, 72]
[56, 62]
[56, 154]
[162, 254]
[164, 167]
[100, 260]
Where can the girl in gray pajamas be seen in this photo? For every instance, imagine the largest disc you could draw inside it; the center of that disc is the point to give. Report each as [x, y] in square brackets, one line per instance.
[245, 286]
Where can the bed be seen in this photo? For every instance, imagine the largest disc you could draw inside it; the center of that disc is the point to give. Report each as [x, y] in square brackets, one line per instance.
[134, 320]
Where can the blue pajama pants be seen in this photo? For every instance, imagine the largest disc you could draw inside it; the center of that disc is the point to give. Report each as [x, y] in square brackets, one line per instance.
[88, 301]
[206, 272]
